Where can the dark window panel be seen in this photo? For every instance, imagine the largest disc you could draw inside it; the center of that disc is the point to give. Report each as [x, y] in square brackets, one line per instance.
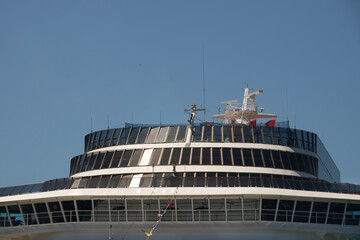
[336, 213]
[84, 210]
[211, 179]
[284, 136]
[124, 136]
[116, 159]
[134, 212]
[133, 135]
[185, 158]
[87, 142]
[199, 180]
[216, 156]
[96, 139]
[248, 157]
[79, 165]
[107, 159]
[85, 163]
[319, 210]
[28, 213]
[146, 180]
[267, 158]
[207, 133]
[233, 180]
[352, 214]
[155, 156]
[101, 139]
[15, 215]
[234, 209]
[251, 209]
[156, 181]
[302, 211]
[268, 208]
[285, 160]
[197, 133]
[56, 213]
[125, 181]
[172, 134]
[257, 158]
[248, 138]
[142, 135]
[222, 180]
[291, 137]
[267, 180]
[189, 179]
[117, 210]
[126, 158]
[92, 161]
[181, 134]
[217, 209]
[278, 181]
[152, 135]
[91, 142]
[255, 180]
[244, 180]
[277, 159]
[227, 156]
[267, 135]
[151, 209]
[285, 211]
[135, 158]
[99, 160]
[184, 209]
[115, 137]
[299, 158]
[217, 134]
[227, 134]
[69, 211]
[108, 137]
[237, 157]
[276, 136]
[293, 161]
[114, 181]
[175, 156]
[42, 213]
[237, 134]
[165, 156]
[206, 159]
[195, 159]
[201, 209]
[104, 181]
[101, 211]
[257, 135]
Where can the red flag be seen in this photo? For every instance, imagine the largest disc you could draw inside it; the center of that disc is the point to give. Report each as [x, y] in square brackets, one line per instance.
[170, 205]
[253, 123]
[270, 124]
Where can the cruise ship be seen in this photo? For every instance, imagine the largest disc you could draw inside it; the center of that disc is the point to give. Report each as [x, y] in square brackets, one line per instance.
[232, 178]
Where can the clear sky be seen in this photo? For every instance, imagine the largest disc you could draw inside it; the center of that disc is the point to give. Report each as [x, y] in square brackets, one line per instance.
[63, 63]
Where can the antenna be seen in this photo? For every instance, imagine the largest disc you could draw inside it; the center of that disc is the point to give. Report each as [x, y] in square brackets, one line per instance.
[204, 82]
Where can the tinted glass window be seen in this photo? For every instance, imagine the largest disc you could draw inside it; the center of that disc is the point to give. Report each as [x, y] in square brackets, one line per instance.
[116, 159]
[285, 160]
[216, 156]
[142, 135]
[69, 211]
[248, 134]
[257, 158]
[257, 135]
[134, 210]
[318, 214]
[92, 161]
[42, 213]
[207, 134]
[108, 137]
[124, 136]
[276, 136]
[248, 157]
[201, 209]
[126, 158]
[217, 209]
[135, 157]
[267, 158]
[251, 209]
[227, 133]
[268, 209]
[267, 135]
[234, 208]
[171, 135]
[185, 156]
[336, 213]
[217, 134]
[197, 133]
[237, 134]
[227, 156]
[56, 213]
[181, 134]
[102, 137]
[293, 161]
[28, 212]
[300, 162]
[107, 159]
[84, 210]
[195, 160]
[237, 157]
[133, 135]
[206, 156]
[285, 210]
[115, 137]
[95, 140]
[302, 211]
[155, 156]
[175, 156]
[184, 209]
[277, 160]
[352, 214]
[165, 156]
[99, 160]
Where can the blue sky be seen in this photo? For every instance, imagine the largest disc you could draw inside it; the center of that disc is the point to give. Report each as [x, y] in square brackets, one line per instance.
[63, 63]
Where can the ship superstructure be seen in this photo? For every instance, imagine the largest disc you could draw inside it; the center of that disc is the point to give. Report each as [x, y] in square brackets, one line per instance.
[234, 179]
